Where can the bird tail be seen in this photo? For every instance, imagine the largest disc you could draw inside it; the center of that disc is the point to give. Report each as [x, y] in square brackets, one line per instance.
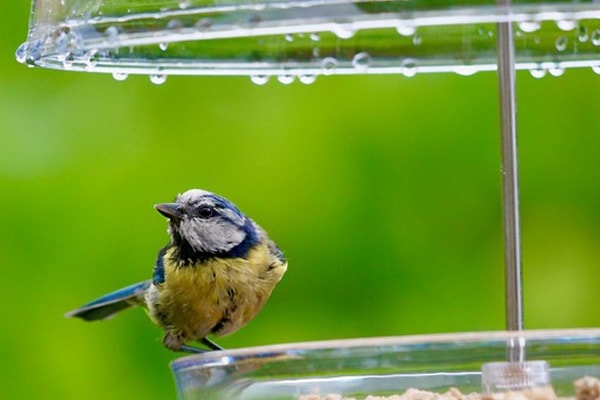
[110, 304]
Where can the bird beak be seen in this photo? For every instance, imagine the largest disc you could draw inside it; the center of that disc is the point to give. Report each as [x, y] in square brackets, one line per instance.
[170, 210]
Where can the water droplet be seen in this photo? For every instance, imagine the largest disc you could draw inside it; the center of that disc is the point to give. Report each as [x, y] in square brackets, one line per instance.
[62, 2]
[91, 59]
[417, 39]
[30, 52]
[255, 19]
[566, 24]
[120, 76]
[582, 34]
[286, 79]
[67, 61]
[409, 67]
[183, 4]
[307, 79]
[596, 68]
[21, 53]
[529, 26]
[259, 79]
[111, 33]
[538, 71]
[174, 24]
[315, 37]
[405, 29]
[344, 31]
[62, 42]
[75, 41]
[158, 79]
[163, 46]
[465, 70]
[289, 37]
[203, 24]
[329, 65]
[361, 61]
[556, 70]
[596, 37]
[561, 43]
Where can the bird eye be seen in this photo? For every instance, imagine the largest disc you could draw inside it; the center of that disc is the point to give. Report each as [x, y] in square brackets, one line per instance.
[205, 212]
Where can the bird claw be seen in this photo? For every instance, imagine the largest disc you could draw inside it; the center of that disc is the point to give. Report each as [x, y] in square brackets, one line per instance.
[191, 349]
[210, 344]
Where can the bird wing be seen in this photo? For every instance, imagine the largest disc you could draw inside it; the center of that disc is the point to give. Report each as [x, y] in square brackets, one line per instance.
[108, 305]
[158, 274]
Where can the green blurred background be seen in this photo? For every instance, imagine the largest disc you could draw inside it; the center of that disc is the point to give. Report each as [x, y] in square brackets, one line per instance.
[383, 191]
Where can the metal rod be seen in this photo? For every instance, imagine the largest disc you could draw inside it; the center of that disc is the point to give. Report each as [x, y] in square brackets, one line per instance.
[510, 180]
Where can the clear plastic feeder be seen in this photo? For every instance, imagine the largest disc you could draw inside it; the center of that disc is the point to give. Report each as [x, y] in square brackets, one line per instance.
[302, 39]
[391, 366]
[306, 38]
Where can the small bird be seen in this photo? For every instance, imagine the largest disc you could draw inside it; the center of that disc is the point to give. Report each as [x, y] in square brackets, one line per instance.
[213, 277]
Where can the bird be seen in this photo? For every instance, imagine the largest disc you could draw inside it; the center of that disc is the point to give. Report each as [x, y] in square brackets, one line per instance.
[215, 274]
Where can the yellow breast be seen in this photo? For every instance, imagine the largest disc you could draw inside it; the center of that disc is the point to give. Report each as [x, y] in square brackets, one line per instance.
[216, 296]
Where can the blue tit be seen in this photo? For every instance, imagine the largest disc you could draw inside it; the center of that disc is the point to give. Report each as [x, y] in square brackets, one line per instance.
[213, 277]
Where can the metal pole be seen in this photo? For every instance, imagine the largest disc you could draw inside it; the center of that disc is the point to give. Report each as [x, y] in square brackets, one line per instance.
[510, 179]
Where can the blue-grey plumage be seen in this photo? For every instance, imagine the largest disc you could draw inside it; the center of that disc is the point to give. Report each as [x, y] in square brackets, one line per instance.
[213, 277]
[110, 304]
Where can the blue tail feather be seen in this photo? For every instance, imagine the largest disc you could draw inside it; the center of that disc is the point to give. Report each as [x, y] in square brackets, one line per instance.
[108, 305]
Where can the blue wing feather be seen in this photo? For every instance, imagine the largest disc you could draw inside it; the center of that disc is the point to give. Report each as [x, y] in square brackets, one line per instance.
[158, 275]
[108, 305]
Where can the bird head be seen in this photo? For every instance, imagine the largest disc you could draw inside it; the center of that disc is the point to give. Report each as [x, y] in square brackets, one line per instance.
[207, 225]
